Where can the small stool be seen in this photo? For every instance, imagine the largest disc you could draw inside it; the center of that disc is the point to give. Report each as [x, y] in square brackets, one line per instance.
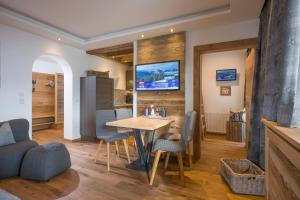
[45, 162]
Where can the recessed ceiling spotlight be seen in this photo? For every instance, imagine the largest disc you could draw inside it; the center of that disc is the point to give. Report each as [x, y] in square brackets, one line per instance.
[171, 30]
[142, 36]
[59, 39]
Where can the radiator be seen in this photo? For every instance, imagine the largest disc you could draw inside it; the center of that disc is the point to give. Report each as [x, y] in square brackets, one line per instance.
[216, 122]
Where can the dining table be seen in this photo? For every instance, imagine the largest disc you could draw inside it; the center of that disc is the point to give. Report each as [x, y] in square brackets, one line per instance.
[149, 125]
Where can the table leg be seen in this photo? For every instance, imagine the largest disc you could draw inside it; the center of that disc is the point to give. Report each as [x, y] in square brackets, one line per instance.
[150, 138]
[141, 163]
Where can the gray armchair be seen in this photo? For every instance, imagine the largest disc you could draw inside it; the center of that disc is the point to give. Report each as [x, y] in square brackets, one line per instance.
[11, 156]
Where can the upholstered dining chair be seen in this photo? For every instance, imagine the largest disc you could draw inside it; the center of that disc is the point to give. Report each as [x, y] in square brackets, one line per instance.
[109, 134]
[124, 113]
[175, 146]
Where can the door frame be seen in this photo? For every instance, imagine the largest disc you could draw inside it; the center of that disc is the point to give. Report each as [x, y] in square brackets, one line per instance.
[197, 82]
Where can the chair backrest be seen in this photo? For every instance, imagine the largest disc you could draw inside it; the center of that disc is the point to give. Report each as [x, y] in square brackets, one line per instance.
[123, 113]
[103, 116]
[20, 129]
[189, 126]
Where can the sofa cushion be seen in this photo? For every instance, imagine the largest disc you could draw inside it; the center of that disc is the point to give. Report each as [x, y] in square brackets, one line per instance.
[45, 162]
[6, 135]
[20, 129]
[11, 157]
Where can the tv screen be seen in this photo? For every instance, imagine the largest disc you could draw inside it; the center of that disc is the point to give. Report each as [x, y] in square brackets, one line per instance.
[157, 76]
[226, 75]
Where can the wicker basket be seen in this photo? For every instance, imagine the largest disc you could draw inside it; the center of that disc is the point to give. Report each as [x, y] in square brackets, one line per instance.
[243, 176]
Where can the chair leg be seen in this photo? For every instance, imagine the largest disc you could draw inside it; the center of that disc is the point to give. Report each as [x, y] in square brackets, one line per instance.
[108, 164]
[180, 164]
[98, 150]
[136, 149]
[143, 140]
[190, 156]
[167, 160]
[117, 149]
[154, 167]
[126, 150]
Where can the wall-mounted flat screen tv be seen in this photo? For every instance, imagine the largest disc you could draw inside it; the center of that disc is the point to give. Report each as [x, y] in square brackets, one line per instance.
[157, 76]
[226, 75]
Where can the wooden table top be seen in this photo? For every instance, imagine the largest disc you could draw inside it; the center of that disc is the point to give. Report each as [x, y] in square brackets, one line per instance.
[141, 123]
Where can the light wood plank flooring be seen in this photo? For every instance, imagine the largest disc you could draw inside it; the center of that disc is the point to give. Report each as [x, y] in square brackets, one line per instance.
[87, 180]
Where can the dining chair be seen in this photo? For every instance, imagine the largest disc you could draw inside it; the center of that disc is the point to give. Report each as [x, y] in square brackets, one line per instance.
[175, 146]
[109, 134]
[124, 113]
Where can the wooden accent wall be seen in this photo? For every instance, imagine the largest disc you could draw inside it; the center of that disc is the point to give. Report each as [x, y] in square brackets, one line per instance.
[47, 102]
[59, 98]
[158, 49]
[43, 96]
[282, 165]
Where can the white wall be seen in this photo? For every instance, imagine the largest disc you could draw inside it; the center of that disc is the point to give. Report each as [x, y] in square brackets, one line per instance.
[213, 102]
[19, 50]
[217, 107]
[48, 67]
[230, 32]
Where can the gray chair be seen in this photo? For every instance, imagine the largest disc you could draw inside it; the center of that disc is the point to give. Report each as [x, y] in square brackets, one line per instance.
[175, 146]
[11, 156]
[109, 134]
[125, 113]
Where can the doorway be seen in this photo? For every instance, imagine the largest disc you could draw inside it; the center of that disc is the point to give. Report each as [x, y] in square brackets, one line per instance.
[199, 52]
[52, 94]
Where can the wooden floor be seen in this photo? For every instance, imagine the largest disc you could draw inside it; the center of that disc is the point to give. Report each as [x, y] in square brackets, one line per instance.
[88, 181]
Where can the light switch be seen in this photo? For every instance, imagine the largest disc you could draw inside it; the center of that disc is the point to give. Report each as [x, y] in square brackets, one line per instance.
[21, 98]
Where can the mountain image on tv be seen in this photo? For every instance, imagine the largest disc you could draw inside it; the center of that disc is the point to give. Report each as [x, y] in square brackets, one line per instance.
[226, 75]
[158, 76]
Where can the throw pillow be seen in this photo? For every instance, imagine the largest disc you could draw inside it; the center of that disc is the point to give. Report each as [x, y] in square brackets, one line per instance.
[6, 135]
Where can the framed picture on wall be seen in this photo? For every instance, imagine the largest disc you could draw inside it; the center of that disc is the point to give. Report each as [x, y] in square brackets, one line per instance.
[225, 90]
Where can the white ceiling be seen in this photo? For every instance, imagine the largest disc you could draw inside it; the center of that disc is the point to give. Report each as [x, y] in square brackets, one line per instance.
[96, 23]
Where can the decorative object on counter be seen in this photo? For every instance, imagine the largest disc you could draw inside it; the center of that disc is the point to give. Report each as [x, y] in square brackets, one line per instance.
[225, 90]
[243, 176]
[152, 111]
[97, 73]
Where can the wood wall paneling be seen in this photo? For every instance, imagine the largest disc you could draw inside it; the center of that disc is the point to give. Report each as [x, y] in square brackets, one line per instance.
[59, 98]
[47, 101]
[282, 165]
[250, 61]
[158, 49]
[43, 96]
[43, 101]
[122, 53]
